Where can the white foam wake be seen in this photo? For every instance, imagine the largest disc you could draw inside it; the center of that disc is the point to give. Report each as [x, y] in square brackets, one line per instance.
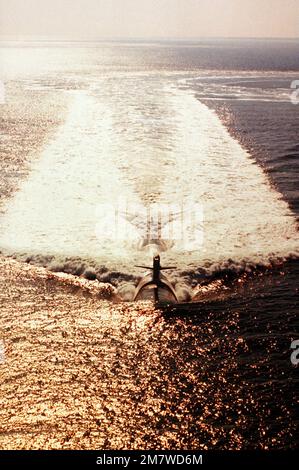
[57, 207]
[146, 142]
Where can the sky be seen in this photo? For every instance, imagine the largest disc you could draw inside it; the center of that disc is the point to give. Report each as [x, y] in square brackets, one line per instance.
[102, 19]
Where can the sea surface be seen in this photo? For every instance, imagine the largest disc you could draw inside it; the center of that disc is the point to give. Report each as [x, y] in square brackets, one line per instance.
[94, 137]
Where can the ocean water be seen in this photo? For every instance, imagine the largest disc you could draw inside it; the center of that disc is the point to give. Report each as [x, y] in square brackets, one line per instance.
[90, 129]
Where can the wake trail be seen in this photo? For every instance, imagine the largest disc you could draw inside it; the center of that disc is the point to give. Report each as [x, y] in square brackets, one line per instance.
[153, 143]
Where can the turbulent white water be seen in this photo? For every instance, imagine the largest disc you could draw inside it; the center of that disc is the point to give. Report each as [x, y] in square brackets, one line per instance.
[143, 140]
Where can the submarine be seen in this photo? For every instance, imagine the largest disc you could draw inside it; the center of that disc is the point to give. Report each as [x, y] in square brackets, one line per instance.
[155, 286]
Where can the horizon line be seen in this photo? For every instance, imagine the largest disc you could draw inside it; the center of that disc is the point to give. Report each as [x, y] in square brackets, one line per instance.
[149, 39]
